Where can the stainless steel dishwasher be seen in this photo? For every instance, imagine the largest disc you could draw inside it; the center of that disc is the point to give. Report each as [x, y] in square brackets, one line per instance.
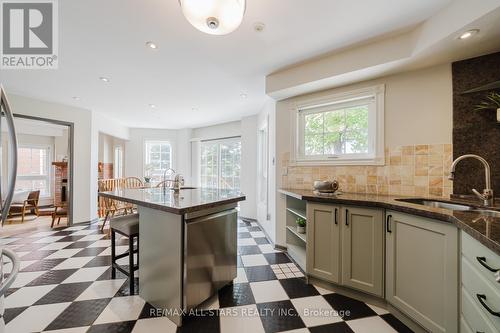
[210, 253]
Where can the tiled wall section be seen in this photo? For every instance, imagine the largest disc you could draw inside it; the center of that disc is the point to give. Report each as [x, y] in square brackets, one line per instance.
[419, 170]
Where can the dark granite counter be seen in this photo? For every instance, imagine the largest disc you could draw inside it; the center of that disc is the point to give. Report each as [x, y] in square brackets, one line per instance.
[485, 229]
[186, 201]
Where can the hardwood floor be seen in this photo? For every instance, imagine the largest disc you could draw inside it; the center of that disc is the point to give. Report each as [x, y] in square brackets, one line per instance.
[31, 223]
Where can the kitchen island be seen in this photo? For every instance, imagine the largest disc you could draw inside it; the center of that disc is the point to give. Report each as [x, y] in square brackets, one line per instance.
[187, 244]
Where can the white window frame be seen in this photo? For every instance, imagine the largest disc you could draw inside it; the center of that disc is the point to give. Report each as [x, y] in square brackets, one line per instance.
[218, 142]
[146, 157]
[376, 143]
[50, 158]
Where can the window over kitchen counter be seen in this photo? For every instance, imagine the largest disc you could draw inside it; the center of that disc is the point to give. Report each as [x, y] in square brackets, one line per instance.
[341, 129]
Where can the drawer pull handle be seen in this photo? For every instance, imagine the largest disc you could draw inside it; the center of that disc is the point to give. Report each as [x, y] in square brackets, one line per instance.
[336, 216]
[388, 224]
[482, 261]
[482, 299]
[347, 217]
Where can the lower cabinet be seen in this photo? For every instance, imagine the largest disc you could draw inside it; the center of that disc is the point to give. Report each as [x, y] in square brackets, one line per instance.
[422, 270]
[363, 249]
[323, 242]
[345, 245]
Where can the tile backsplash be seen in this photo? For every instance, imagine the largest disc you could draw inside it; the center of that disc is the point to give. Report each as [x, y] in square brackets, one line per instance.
[418, 170]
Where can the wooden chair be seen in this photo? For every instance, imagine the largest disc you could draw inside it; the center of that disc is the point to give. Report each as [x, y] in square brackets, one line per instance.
[132, 182]
[109, 207]
[167, 182]
[59, 211]
[30, 204]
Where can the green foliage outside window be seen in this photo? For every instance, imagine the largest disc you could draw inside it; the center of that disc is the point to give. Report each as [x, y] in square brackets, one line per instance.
[337, 132]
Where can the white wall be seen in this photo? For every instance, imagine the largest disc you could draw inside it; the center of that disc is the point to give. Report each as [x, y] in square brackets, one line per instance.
[266, 212]
[84, 208]
[61, 144]
[248, 208]
[134, 150]
[217, 131]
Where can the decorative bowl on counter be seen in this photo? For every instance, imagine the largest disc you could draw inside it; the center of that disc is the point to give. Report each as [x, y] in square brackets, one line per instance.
[326, 186]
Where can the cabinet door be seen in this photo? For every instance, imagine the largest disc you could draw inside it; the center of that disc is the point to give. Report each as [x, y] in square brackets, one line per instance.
[323, 242]
[363, 249]
[422, 270]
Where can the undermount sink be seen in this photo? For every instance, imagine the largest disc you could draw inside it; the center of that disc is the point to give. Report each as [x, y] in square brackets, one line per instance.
[487, 212]
[438, 204]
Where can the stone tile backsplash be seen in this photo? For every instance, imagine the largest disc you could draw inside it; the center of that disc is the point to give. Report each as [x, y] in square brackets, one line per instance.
[419, 170]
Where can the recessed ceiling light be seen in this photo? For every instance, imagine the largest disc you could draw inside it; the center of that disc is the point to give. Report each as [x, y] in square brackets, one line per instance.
[259, 26]
[243, 95]
[76, 98]
[152, 106]
[468, 34]
[104, 79]
[151, 45]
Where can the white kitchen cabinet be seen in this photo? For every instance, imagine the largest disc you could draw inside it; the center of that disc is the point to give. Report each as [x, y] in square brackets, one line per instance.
[422, 270]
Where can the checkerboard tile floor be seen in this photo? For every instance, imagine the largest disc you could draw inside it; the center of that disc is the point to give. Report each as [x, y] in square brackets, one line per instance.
[65, 286]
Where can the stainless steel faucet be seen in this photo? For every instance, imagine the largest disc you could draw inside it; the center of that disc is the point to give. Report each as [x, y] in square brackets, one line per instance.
[176, 183]
[487, 195]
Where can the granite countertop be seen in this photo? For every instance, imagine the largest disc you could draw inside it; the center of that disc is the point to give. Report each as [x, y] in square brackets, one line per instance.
[186, 201]
[485, 229]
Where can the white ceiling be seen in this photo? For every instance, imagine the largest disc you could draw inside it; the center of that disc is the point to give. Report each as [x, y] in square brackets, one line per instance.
[196, 79]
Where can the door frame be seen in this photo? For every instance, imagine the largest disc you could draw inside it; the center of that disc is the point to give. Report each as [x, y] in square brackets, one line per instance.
[71, 137]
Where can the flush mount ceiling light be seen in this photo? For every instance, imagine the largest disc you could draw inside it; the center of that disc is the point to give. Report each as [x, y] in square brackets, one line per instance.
[243, 95]
[152, 106]
[468, 34]
[76, 98]
[104, 79]
[215, 17]
[151, 45]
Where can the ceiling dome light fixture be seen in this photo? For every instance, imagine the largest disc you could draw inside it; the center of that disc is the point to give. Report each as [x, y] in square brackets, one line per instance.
[151, 45]
[468, 34]
[215, 17]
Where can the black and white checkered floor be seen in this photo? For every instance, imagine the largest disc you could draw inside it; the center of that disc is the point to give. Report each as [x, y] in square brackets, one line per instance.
[65, 286]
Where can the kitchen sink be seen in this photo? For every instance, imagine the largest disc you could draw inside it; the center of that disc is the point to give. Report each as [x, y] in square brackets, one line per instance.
[438, 204]
[487, 212]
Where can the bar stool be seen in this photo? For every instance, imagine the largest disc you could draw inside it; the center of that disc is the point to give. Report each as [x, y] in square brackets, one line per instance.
[128, 226]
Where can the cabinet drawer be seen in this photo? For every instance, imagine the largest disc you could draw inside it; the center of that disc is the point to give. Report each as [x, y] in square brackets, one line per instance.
[474, 284]
[480, 256]
[475, 320]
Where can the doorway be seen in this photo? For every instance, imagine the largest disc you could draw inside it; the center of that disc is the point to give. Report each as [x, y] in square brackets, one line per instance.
[44, 182]
[220, 163]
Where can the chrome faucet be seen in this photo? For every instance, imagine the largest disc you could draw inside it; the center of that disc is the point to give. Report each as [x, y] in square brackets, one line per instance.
[176, 183]
[487, 195]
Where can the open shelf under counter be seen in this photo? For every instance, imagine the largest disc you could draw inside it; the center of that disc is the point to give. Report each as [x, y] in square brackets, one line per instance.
[298, 253]
[299, 212]
[294, 231]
